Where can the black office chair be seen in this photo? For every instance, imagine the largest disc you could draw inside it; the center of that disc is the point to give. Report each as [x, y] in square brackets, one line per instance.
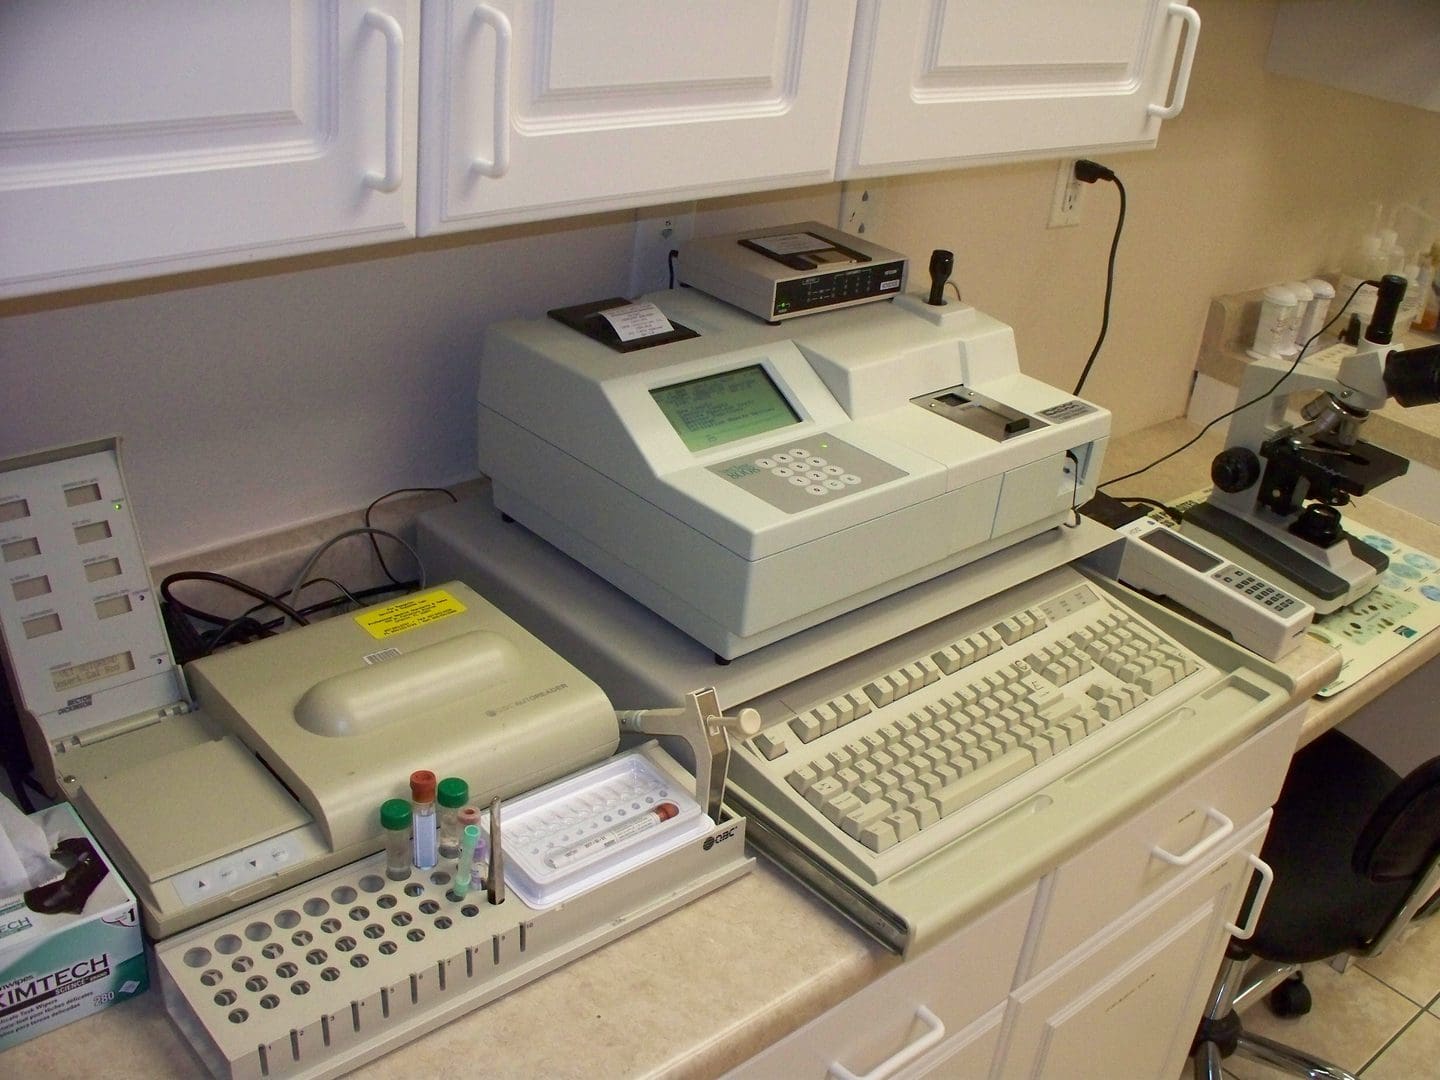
[1356, 853]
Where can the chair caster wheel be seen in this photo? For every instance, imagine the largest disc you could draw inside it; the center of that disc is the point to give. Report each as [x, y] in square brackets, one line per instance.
[1290, 998]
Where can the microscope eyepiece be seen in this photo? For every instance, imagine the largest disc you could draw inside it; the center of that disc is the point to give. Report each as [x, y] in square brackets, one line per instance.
[1382, 323]
[1412, 377]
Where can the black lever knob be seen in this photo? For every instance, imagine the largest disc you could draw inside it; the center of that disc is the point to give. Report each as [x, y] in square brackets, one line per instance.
[941, 263]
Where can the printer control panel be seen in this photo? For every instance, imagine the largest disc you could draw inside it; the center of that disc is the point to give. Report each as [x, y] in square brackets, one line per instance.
[794, 477]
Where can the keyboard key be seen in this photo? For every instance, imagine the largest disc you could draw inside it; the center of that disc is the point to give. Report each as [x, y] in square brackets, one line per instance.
[904, 823]
[827, 716]
[869, 791]
[771, 743]
[878, 835]
[840, 806]
[926, 812]
[823, 790]
[1156, 680]
[806, 727]
[1010, 630]
[982, 782]
[857, 820]
[880, 692]
[802, 778]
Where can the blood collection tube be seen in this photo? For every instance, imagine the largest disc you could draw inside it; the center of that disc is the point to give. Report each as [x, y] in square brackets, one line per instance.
[468, 839]
[610, 837]
[422, 817]
[395, 820]
[451, 794]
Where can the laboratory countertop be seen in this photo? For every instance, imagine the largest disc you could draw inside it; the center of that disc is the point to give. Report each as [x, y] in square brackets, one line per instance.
[704, 988]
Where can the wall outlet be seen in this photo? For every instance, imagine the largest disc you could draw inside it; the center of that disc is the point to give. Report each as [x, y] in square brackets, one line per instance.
[659, 230]
[1065, 205]
[861, 204]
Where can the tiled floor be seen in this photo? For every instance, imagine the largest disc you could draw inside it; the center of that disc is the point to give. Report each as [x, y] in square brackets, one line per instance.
[1380, 1020]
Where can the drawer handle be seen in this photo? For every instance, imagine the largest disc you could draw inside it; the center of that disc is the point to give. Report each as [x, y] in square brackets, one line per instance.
[902, 1057]
[1204, 846]
[1187, 60]
[390, 179]
[1252, 920]
[498, 165]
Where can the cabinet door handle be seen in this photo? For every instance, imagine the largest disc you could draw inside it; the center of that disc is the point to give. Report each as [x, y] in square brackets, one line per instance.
[902, 1057]
[1204, 846]
[499, 164]
[389, 180]
[1252, 920]
[1187, 60]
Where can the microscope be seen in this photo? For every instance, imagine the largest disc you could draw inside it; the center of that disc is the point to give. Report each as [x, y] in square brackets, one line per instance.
[1278, 484]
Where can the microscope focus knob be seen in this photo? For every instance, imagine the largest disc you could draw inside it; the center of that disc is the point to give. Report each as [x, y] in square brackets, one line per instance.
[1319, 524]
[1235, 469]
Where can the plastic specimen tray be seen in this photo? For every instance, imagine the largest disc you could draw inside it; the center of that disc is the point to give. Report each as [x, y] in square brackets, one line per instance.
[320, 978]
[580, 832]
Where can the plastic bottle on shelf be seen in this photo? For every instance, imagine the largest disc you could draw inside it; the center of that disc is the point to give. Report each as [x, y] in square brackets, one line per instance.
[1369, 261]
[1303, 295]
[1317, 312]
[1275, 330]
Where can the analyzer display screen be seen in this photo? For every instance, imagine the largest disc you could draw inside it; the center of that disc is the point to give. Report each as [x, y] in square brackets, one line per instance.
[718, 409]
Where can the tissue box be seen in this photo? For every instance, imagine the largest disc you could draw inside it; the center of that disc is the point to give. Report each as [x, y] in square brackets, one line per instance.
[71, 947]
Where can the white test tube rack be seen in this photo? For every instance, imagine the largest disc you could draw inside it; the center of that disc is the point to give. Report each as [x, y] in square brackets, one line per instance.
[316, 980]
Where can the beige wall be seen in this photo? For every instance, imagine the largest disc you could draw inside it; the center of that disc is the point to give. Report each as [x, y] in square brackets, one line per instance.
[256, 398]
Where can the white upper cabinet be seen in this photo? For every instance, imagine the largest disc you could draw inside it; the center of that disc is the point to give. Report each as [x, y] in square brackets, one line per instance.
[940, 83]
[145, 138]
[553, 107]
[139, 139]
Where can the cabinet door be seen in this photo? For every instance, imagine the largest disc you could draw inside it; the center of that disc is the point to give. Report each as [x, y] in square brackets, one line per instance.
[147, 138]
[534, 110]
[1127, 1003]
[939, 1011]
[937, 84]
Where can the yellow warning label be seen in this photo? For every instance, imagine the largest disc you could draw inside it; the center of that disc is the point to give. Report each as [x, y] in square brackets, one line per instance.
[422, 609]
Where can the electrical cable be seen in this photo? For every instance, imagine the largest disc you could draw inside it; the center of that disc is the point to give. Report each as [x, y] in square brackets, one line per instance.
[256, 629]
[1075, 494]
[1088, 172]
[952, 285]
[304, 574]
[674, 254]
[1245, 404]
[1165, 508]
[229, 582]
[384, 568]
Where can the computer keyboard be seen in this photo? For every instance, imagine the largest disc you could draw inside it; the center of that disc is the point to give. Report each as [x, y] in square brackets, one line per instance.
[888, 757]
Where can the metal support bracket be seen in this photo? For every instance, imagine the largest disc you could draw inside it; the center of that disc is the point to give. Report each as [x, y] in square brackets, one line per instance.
[707, 732]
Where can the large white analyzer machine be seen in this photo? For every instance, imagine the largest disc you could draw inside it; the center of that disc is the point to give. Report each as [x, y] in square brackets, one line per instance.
[750, 480]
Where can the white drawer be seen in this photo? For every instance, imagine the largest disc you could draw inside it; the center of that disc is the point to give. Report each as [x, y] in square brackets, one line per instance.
[1122, 868]
[920, 1005]
[1125, 1005]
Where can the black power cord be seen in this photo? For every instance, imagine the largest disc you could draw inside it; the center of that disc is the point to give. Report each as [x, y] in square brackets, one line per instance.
[1244, 404]
[1087, 172]
[374, 544]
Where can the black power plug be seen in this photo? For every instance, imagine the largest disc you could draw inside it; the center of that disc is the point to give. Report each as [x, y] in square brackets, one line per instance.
[1087, 171]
